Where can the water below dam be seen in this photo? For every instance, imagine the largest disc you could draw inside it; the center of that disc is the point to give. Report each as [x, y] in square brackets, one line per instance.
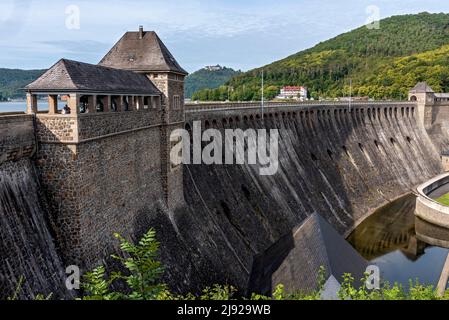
[388, 239]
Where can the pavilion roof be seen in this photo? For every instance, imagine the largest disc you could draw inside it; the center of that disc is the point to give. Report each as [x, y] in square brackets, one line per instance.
[141, 51]
[72, 76]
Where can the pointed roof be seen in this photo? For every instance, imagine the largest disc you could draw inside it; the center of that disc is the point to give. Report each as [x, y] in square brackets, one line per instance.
[295, 259]
[141, 51]
[422, 87]
[73, 76]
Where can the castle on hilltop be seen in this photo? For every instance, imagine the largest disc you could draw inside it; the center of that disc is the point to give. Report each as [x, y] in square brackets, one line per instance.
[108, 159]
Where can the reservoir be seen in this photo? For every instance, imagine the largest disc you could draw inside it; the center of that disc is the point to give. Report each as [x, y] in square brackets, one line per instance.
[20, 106]
[388, 239]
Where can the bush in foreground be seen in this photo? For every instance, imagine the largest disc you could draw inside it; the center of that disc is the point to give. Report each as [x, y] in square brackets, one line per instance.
[144, 271]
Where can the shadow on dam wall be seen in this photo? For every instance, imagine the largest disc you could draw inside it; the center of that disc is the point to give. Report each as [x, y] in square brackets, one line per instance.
[338, 163]
[30, 263]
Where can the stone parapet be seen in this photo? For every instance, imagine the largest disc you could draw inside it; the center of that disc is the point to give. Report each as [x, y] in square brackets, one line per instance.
[74, 129]
[17, 139]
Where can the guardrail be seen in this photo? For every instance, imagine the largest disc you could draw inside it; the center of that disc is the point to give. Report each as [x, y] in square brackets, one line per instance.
[198, 107]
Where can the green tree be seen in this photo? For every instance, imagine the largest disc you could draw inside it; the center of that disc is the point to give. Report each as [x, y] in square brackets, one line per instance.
[142, 277]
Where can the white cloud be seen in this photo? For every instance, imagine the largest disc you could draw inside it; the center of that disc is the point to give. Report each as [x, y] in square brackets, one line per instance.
[242, 33]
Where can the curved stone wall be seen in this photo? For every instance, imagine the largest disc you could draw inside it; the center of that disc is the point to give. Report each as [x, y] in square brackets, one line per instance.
[339, 162]
[427, 208]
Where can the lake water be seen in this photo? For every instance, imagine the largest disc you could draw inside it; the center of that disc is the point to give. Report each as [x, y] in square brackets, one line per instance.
[388, 239]
[20, 106]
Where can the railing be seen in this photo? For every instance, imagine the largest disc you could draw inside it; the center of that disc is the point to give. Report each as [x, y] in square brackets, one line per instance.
[199, 107]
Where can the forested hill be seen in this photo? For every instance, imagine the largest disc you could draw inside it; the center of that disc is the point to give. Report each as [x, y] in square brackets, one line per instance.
[12, 80]
[208, 79]
[382, 63]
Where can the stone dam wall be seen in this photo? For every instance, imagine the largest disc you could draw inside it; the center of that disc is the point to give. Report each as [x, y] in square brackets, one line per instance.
[27, 249]
[338, 162]
[341, 163]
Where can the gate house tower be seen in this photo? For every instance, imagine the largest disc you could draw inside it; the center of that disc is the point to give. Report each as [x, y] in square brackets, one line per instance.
[104, 159]
[143, 52]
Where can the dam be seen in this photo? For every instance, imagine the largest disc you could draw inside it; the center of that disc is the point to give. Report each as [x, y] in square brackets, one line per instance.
[69, 181]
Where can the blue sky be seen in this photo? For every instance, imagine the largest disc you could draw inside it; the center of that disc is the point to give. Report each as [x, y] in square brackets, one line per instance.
[241, 34]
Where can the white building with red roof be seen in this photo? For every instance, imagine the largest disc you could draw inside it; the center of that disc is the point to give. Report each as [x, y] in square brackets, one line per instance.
[293, 92]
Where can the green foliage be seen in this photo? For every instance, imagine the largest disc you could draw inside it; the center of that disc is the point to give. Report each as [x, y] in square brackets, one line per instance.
[144, 272]
[97, 286]
[218, 292]
[208, 79]
[142, 277]
[12, 80]
[19, 285]
[382, 63]
[444, 199]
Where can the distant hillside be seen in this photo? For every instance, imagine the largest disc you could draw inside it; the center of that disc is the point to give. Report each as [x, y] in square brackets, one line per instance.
[209, 78]
[11, 80]
[382, 63]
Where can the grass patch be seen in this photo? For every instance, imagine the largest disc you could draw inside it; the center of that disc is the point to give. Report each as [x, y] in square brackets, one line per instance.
[444, 199]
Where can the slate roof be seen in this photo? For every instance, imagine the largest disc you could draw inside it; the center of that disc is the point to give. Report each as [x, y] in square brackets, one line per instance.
[442, 95]
[73, 76]
[141, 54]
[295, 259]
[422, 87]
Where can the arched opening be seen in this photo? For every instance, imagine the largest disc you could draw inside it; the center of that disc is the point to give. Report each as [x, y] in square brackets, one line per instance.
[99, 104]
[125, 103]
[146, 102]
[345, 150]
[413, 98]
[225, 208]
[84, 104]
[361, 147]
[377, 144]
